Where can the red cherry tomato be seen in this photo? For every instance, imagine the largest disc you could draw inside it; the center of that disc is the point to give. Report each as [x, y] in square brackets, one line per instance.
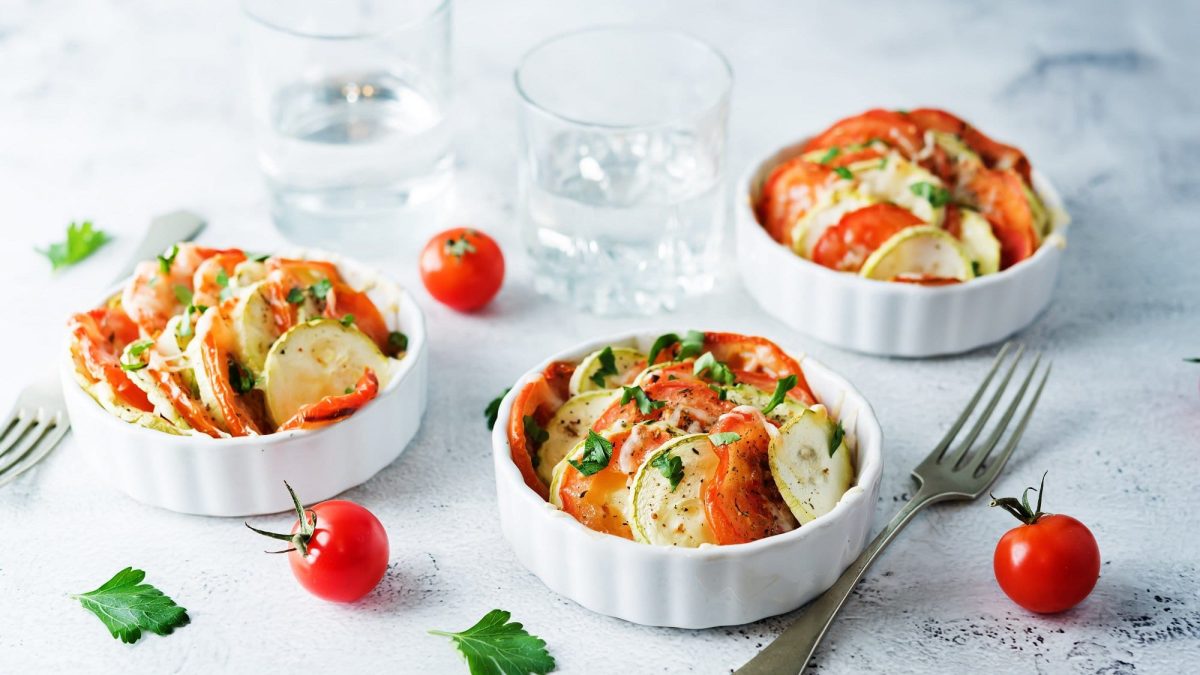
[1050, 563]
[462, 268]
[340, 558]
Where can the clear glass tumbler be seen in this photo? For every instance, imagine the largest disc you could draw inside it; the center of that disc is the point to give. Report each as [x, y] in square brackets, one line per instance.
[622, 148]
[351, 107]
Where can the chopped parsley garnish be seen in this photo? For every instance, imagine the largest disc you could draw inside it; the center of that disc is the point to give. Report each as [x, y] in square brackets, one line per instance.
[829, 155]
[82, 241]
[724, 438]
[644, 402]
[320, 289]
[295, 296]
[839, 432]
[534, 433]
[722, 392]
[495, 646]
[843, 173]
[670, 466]
[883, 162]
[597, 452]
[347, 320]
[259, 257]
[348, 390]
[167, 258]
[183, 294]
[691, 345]
[936, 196]
[223, 284]
[127, 607]
[782, 387]
[493, 407]
[135, 351]
[240, 379]
[660, 344]
[975, 267]
[398, 342]
[184, 329]
[608, 366]
[719, 372]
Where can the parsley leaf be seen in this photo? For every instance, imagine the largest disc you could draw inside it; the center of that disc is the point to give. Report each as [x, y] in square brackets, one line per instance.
[670, 466]
[295, 296]
[81, 242]
[495, 646]
[722, 393]
[167, 258]
[660, 344]
[644, 402]
[261, 257]
[839, 432]
[597, 451]
[493, 408]
[608, 366]
[843, 173]
[240, 379]
[829, 155]
[223, 283]
[398, 342]
[718, 371]
[320, 289]
[936, 196]
[691, 345]
[135, 351]
[347, 320]
[184, 329]
[534, 433]
[127, 607]
[724, 438]
[782, 387]
[183, 294]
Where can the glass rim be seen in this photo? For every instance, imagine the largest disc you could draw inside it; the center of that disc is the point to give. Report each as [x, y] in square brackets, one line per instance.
[438, 8]
[725, 67]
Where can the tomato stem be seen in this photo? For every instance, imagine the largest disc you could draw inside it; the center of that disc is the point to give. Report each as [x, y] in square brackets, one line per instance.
[308, 525]
[1019, 508]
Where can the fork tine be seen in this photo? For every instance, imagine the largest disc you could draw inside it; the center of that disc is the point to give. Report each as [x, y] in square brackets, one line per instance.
[957, 458]
[37, 452]
[937, 453]
[992, 470]
[993, 439]
[21, 449]
[15, 429]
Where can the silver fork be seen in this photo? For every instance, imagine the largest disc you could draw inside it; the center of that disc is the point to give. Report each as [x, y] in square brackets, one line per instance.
[961, 474]
[39, 419]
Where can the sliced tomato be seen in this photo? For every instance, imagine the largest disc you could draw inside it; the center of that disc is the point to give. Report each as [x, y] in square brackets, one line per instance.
[688, 404]
[239, 417]
[756, 355]
[856, 156]
[335, 408]
[846, 245]
[342, 301]
[892, 128]
[558, 376]
[538, 401]
[995, 155]
[594, 500]
[999, 194]
[767, 383]
[192, 412]
[741, 502]
[305, 273]
[97, 339]
[788, 193]
[953, 220]
[934, 119]
[276, 291]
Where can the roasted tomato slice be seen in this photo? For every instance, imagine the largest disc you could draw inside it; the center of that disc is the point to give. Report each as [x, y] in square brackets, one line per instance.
[742, 502]
[335, 408]
[934, 119]
[756, 355]
[847, 244]
[688, 404]
[892, 128]
[788, 193]
[558, 376]
[188, 408]
[596, 500]
[538, 401]
[995, 155]
[685, 371]
[343, 301]
[1000, 197]
[925, 280]
[97, 339]
[215, 359]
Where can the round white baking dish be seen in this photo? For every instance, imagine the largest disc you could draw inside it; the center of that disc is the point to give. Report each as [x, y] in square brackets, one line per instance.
[244, 476]
[890, 319]
[700, 587]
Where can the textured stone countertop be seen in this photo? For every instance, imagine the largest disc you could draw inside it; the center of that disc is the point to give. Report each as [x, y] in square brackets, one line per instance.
[117, 111]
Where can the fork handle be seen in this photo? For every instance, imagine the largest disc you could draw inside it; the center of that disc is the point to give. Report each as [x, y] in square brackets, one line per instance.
[791, 651]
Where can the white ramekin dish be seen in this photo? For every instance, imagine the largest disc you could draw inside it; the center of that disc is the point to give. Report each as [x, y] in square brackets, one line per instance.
[891, 319]
[244, 476]
[684, 587]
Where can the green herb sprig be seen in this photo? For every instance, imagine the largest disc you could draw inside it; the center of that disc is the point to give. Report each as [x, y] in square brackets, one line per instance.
[497, 646]
[127, 607]
[82, 241]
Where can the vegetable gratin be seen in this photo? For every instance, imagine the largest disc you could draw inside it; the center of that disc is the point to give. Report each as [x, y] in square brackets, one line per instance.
[214, 342]
[908, 196]
[709, 438]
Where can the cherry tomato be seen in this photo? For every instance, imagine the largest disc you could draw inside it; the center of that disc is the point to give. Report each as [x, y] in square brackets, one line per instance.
[1050, 563]
[462, 268]
[339, 550]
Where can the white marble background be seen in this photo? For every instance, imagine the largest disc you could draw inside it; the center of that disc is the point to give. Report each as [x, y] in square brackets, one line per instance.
[117, 110]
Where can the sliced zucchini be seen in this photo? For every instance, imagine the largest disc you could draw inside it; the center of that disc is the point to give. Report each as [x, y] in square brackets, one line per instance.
[248, 273]
[104, 395]
[958, 150]
[668, 516]
[829, 208]
[745, 394]
[810, 477]
[313, 360]
[254, 323]
[568, 427]
[1041, 217]
[921, 251]
[895, 180]
[980, 244]
[623, 360]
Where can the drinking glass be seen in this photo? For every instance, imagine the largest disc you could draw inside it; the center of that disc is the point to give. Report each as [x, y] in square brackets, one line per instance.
[351, 103]
[622, 149]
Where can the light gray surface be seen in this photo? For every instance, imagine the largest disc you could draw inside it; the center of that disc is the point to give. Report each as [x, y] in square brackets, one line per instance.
[118, 111]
